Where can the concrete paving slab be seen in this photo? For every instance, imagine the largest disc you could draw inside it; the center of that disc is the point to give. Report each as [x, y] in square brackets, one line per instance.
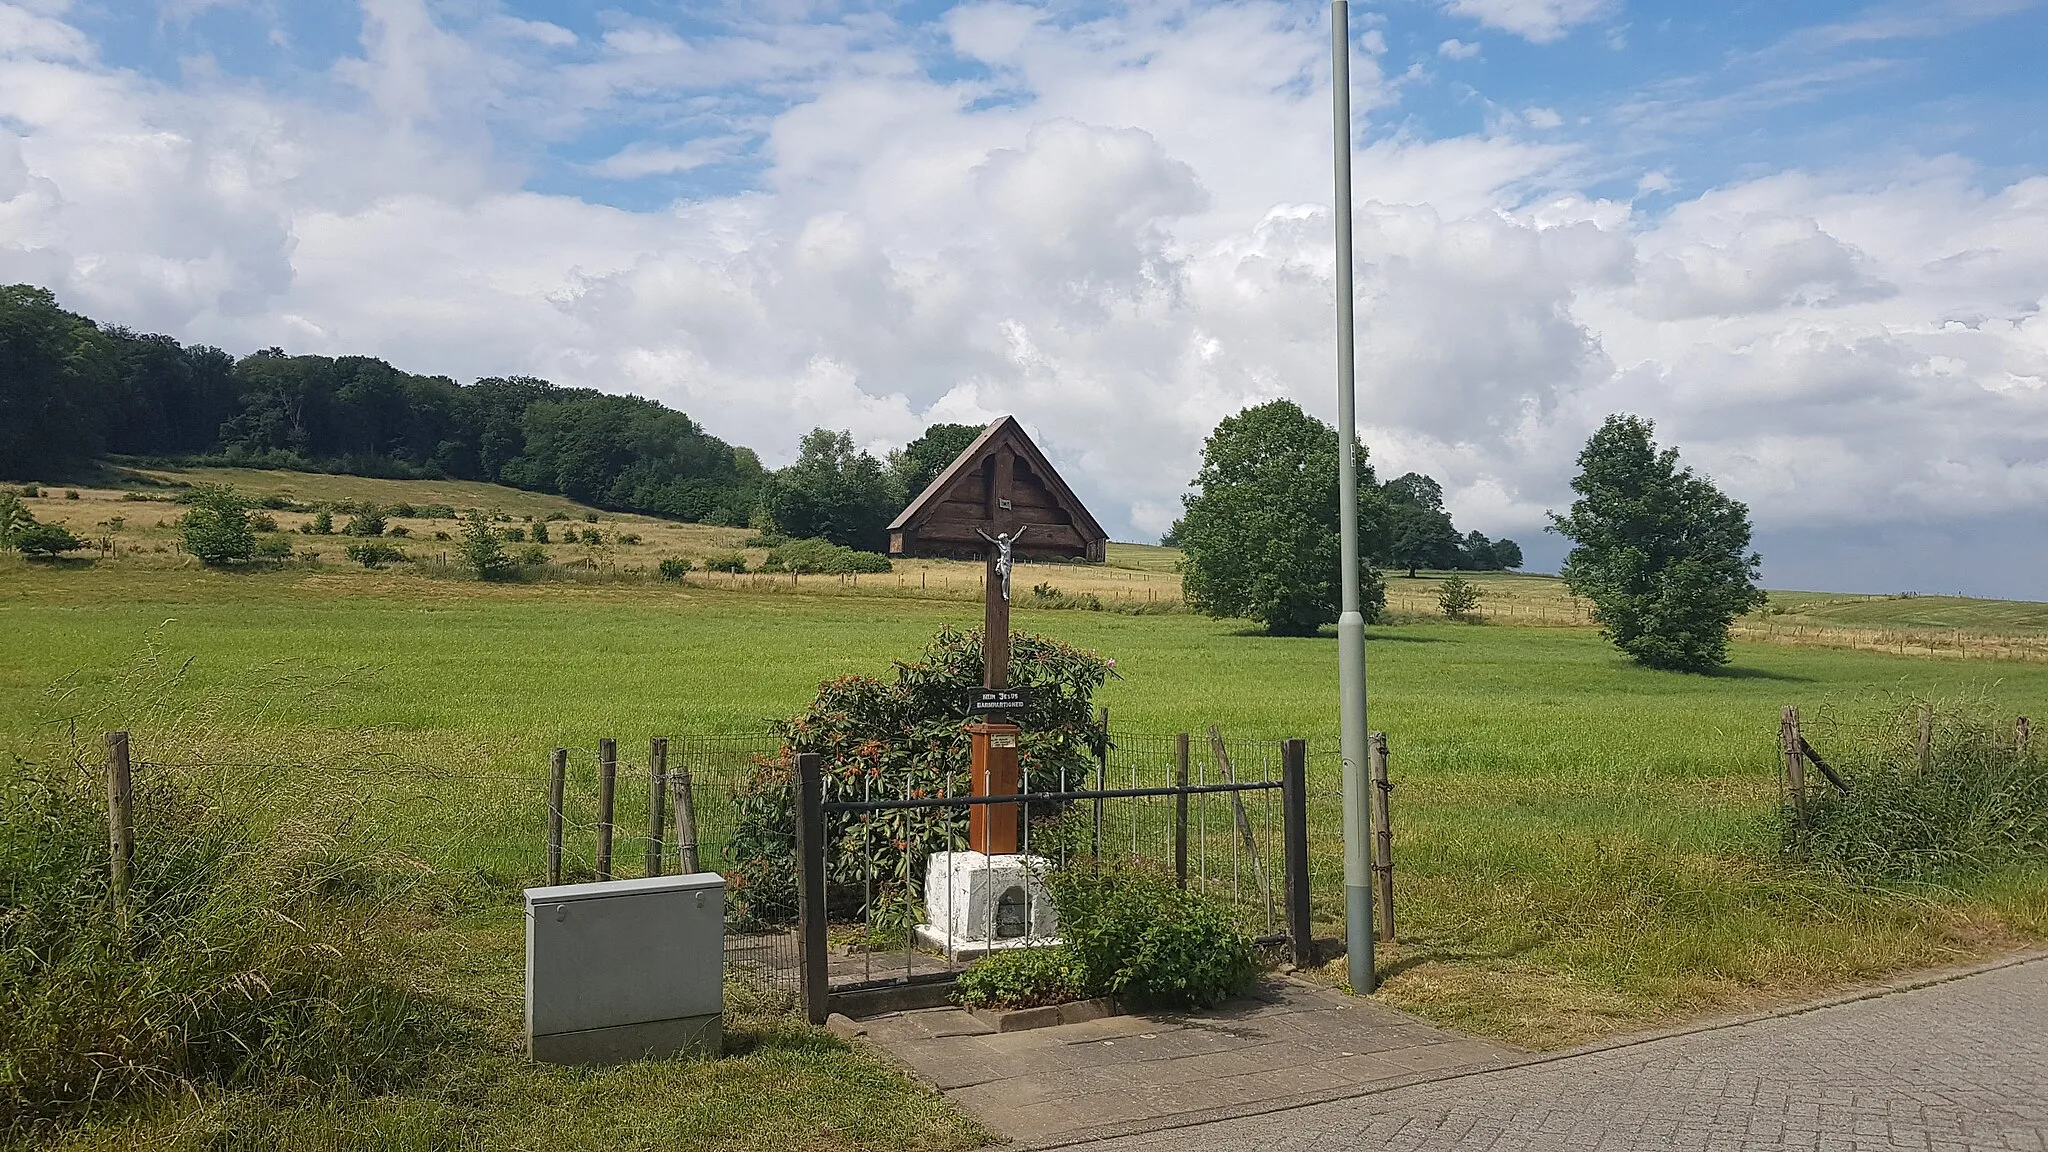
[1289, 1041]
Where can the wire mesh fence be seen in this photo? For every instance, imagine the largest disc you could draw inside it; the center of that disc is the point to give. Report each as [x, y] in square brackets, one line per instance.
[725, 802]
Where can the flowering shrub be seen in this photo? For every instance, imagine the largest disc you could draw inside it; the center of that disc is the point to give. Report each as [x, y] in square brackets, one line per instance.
[891, 739]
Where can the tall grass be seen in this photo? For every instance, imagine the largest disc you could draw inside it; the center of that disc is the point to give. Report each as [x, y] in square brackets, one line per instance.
[254, 950]
[1978, 802]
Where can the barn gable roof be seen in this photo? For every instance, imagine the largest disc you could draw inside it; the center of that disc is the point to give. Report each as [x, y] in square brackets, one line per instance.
[939, 521]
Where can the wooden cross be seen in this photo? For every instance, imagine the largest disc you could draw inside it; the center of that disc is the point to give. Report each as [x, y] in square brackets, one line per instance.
[999, 516]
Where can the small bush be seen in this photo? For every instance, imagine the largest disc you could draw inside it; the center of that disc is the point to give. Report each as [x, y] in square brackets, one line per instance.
[482, 553]
[30, 491]
[438, 535]
[823, 556]
[262, 522]
[673, 568]
[627, 538]
[1137, 936]
[1046, 596]
[725, 562]
[533, 555]
[403, 510]
[590, 517]
[368, 521]
[514, 535]
[71, 494]
[398, 530]
[322, 524]
[44, 541]
[1457, 597]
[273, 548]
[434, 512]
[375, 554]
[1023, 978]
[217, 530]
[554, 516]
[540, 532]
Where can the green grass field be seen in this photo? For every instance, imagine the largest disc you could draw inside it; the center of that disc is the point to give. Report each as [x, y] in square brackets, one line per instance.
[1580, 844]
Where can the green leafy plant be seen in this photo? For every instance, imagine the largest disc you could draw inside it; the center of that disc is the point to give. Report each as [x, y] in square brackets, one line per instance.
[375, 554]
[1457, 597]
[273, 548]
[673, 568]
[1023, 978]
[533, 555]
[482, 553]
[217, 530]
[44, 541]
[514, 535]
[14, 517]
[322, 524]
[1137, 936]
[1044, 595]
[539, 532]
[262, 522]
[822, 556]
[725, 562]
[903, 737]
[368, 521]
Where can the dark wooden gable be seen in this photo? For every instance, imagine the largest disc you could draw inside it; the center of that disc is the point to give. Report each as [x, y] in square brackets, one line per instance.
[968, 495]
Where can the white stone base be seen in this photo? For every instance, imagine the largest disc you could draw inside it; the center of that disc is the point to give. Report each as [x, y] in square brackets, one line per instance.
[963, 902]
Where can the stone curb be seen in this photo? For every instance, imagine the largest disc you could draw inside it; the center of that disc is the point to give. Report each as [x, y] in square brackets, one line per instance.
[1911, 983]
[1048, 1016]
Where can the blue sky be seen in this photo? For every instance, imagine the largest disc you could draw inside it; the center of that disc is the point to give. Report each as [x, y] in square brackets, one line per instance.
[1810, 240]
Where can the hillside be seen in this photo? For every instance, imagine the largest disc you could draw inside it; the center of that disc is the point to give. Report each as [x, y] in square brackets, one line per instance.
[133, 521]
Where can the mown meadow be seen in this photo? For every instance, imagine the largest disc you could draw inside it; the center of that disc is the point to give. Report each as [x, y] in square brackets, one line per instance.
[1583, 847]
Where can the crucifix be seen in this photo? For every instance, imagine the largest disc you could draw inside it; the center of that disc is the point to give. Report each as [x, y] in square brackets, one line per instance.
[979, 506]
[993, 829]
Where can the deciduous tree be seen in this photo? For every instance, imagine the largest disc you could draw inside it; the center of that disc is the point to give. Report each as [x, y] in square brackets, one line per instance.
[1260, 533]
[1663, 555]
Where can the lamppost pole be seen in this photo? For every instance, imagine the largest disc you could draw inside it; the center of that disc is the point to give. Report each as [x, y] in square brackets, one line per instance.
[1351, 624]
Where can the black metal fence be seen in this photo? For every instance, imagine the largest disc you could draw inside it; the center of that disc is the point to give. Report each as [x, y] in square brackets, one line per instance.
[1239, 836]
[1227, 822]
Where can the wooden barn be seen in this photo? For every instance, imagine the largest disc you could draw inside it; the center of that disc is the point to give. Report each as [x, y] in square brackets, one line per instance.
[1001, 484]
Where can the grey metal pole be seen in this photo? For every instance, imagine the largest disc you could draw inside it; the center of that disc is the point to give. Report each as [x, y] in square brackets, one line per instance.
[1351, 625]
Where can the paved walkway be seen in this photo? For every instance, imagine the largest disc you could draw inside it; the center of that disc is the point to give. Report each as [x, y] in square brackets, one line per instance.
[1957, 1065]
[1290, 1044]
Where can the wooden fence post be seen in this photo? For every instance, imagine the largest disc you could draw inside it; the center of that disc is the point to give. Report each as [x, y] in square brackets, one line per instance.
[558, 773]
[1180, 809]
[1244, 824]
[1294, 833]
[1795, 769]
[607, 782]
[1924, 746]
[1382, 833]
[683, 795]
[1101, 778]
[2022, 736]
[810, 883]
[657, 792]
[120, 823]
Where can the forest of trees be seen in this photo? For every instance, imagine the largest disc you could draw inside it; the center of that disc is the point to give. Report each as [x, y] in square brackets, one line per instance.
[72, 391]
